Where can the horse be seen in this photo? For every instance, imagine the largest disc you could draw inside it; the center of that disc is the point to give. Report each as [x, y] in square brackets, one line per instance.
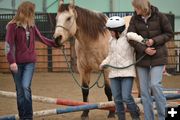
[91, 43]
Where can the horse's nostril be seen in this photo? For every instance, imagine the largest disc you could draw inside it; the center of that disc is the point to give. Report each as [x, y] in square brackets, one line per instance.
[58, 40]
[60, 37]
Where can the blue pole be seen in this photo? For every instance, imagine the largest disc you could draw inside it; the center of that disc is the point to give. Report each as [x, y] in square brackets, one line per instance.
[172, 96]
[11, 117]
[77, 108]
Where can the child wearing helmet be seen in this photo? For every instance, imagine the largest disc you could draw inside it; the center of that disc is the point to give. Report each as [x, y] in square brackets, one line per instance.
[120, 55]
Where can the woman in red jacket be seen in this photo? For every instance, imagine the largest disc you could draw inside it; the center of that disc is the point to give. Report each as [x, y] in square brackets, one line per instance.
[20, 50]
[156, 28]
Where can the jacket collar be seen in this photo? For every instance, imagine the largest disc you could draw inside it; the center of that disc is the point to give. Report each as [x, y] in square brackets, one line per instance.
[154, 10]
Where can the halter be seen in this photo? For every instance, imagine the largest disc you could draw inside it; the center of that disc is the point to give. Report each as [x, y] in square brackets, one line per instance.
[63, 27]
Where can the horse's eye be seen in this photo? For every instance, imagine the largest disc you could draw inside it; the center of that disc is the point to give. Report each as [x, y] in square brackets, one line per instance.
[69, 18]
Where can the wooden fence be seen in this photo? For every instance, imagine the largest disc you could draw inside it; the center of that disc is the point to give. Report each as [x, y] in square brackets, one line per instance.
[53, 60]
[48, 59]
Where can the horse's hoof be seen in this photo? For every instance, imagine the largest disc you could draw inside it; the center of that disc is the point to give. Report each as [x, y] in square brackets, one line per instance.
[84, 118]
[111, 115]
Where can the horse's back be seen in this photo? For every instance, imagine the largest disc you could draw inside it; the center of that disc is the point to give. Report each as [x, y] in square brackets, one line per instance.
[127, 20]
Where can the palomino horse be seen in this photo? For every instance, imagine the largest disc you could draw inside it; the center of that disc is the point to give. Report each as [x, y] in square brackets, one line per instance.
[91, 44]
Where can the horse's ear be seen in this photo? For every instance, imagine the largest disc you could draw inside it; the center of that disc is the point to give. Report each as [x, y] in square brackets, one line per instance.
[72, 9]
[72, 2]
[61, 2]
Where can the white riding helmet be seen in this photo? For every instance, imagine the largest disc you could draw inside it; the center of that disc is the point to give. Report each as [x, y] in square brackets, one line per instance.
[116, 23]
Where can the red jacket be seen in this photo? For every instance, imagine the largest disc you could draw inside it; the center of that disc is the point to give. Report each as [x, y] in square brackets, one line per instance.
[16, 47]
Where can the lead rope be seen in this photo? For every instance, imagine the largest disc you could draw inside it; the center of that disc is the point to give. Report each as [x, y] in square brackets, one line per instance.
[99, 76]
[107, 65]
[74, 78]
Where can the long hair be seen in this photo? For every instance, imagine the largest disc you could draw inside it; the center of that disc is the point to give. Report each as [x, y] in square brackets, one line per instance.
[144, 5]
[25, 14]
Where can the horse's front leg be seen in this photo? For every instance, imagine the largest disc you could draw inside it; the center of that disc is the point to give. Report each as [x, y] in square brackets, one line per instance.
[108, 92]
[85, 77]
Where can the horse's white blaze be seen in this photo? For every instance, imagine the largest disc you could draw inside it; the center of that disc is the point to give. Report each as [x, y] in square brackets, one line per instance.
[65, 26]
[60, 31]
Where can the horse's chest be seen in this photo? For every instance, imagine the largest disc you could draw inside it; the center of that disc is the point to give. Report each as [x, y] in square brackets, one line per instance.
[90, 55]
[90, 59]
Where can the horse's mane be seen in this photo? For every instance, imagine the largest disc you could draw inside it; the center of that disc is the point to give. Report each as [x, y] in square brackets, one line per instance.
[91, 23]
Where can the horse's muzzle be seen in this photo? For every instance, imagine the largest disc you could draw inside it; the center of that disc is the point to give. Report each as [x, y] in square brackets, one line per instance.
[58, 40]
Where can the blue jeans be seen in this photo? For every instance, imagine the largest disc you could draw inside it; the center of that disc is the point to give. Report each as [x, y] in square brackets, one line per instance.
[121, 90]
[150, 81]
[22, 81]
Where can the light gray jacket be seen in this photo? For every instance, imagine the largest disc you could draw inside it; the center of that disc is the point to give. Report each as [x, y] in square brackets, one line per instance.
[120, 54]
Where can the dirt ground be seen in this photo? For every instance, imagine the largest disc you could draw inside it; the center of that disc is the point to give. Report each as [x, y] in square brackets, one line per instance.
[61, 85]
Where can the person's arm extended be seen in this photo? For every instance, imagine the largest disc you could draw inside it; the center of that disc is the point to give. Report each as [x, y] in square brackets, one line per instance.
[108, 58]
[45, 40]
